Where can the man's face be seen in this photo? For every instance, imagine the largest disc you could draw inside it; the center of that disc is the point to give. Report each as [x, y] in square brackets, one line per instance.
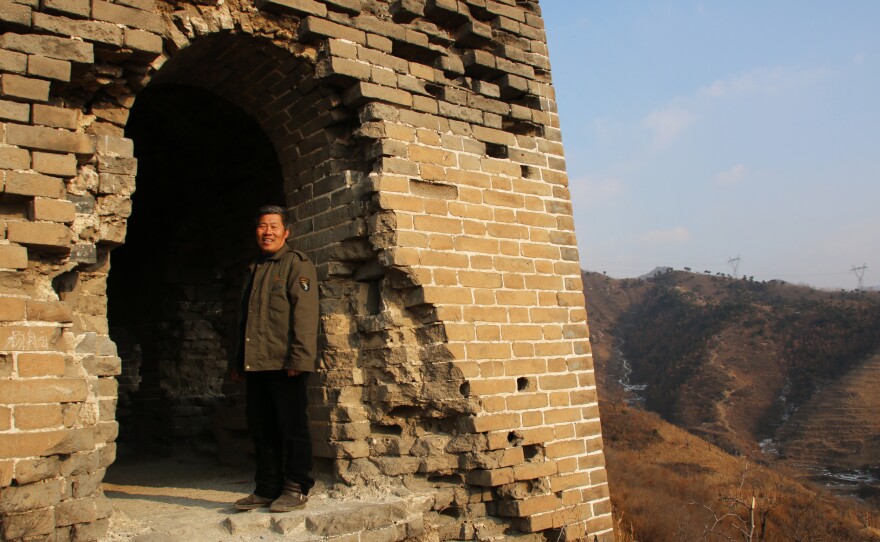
[271, 234]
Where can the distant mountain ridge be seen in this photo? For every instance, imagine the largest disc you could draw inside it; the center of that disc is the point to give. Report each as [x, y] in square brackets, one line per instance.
[741, 362]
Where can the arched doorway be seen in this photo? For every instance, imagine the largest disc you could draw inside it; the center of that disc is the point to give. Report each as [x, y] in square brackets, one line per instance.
[203, 167]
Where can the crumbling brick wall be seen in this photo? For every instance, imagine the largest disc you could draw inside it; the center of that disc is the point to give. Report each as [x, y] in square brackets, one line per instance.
[421, 157]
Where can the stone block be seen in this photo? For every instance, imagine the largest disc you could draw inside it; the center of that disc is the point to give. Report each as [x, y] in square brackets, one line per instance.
[49, 46]
[23, 88]
[79, 8]
[14, 158]
[52, 210]
[48, 68]
[44, 235]
[12, 62]
[22, 183]
[28, 471]
[314, 28]
[40, 137]
[57, 117]
[143, 41]
[136, 18]
[14, 14]
[94, 31]
[28, 417]
[75, 511]
[87, 532]
[117, 164]
[306, 7]
[364, 92]
[63, 165]
[30, 496]
[11, 308]
[114, 146]
[13, 257]
[14, 111]
[33, 525]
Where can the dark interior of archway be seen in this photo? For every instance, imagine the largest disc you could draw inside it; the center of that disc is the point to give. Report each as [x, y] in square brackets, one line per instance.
[204, 167]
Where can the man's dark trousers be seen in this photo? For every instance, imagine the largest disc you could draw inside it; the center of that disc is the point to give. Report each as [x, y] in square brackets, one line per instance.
[279, 426]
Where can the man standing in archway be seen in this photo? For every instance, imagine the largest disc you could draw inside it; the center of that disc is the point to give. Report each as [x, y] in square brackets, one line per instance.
[277, 350]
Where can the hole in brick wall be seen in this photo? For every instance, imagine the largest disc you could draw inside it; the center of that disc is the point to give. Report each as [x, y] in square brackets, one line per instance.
[374, 297]
[522, 383]
[515, 438]
[522, 127]
[65, 283]
[451, 512]
[434, 90]
[384, 429]
[533, 451]
[494, 150]
[204, 166]
[405, 412]
[465, 389]
[445, 478]
[528, 172]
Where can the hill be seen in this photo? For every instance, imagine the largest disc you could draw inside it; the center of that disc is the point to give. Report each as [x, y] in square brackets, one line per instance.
[778, 373]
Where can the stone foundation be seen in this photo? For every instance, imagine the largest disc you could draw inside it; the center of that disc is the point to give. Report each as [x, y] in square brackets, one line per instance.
[417, 146]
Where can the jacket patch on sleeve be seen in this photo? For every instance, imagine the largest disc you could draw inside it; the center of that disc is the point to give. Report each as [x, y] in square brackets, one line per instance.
[304, 284]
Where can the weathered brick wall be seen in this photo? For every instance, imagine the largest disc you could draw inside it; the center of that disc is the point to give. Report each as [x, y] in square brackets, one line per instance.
[421, 156]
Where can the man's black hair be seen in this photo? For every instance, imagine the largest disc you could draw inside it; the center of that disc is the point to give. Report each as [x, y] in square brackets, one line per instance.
[274, 210]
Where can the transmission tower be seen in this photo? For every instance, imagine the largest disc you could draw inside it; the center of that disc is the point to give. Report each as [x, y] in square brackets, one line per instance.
[859, 272]
[734, 263]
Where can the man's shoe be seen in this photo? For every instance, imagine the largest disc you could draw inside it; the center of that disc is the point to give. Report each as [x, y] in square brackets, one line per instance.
[252, 502]
[291, 499]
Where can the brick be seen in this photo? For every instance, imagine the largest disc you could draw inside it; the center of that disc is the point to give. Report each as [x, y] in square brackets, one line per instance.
[49, 46]
[110, 183]
[25, 88]
[37, 416]
[14, 158]
[48, 68]
[95, 31]
[11, 308]
[12, 62]
[117, 164]
[33, 364]
[140, 40]
[38, 523]
[56, 390]
[5, 425]
[15, 14]
[13, 257]
[75, 511]
[114, 146]
[39, 137]
[19, 112]
[46, 235]
[52, 210]
[22, 183]
[63, 165]
[79, 8]
[57, 117]
[115, 13]
[307, 7]
[30, 496]
[364, 92]
[314, 28]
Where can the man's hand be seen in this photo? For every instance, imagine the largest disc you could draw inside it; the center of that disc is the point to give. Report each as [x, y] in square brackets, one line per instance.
[236, 376]
[293, 372]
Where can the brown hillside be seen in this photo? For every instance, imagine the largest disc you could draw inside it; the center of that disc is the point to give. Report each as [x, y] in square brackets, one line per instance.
[839, 427]
[731, 360]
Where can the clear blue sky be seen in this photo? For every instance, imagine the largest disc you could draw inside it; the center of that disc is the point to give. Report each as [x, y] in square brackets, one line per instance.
[699, 131]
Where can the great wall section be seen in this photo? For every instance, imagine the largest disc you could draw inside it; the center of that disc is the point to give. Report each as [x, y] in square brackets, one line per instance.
[416, 144]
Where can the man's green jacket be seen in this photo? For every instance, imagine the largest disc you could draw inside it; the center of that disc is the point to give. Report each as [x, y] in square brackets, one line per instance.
[280, 325]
